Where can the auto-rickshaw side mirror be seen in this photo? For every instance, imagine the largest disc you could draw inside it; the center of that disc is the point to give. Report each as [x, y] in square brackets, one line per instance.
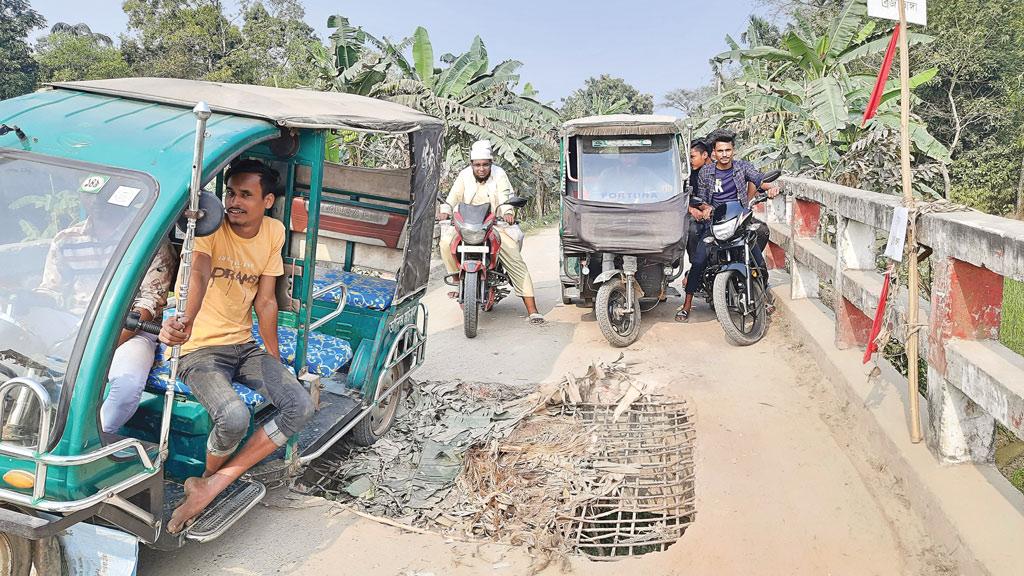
[286, 145]
[211, 214]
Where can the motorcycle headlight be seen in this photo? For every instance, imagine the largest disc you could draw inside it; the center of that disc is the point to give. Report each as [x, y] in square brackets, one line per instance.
[473, 234]
[725, 230]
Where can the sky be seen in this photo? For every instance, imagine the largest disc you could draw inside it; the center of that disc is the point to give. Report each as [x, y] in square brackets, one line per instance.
[655, 45]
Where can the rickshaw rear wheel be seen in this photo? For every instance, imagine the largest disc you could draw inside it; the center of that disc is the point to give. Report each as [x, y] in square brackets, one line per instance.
[15, 555]
[380, 419]
[620, 330]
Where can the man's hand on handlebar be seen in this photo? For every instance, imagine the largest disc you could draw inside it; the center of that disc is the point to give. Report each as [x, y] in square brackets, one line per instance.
[510, 218]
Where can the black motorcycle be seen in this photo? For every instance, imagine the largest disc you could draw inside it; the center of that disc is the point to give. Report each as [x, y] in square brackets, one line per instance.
[736, 285]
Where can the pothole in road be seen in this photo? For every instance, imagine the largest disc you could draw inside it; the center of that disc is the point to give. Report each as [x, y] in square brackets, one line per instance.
[598, 465]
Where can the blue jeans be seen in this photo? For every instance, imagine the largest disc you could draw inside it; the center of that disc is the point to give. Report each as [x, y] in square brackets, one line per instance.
[699, 262]
[210, 371]
[698, 254]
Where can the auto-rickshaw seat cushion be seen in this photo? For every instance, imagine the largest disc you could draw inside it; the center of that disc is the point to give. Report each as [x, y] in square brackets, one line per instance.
[325, 356]
[363, 291]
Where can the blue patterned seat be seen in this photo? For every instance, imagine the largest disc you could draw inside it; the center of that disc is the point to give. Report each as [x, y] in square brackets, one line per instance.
[325, 356]
[363, 291]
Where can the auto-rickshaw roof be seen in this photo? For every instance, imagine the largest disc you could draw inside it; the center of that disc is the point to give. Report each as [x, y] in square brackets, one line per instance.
[283, 106]
[621, 125]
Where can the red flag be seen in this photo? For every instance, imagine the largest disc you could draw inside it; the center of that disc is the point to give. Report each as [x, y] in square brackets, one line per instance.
[883, 76]
[876, 326]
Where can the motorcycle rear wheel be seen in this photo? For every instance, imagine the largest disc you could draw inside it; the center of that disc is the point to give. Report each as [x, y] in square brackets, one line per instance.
[741, 329]
[620, 330]
[470, 303]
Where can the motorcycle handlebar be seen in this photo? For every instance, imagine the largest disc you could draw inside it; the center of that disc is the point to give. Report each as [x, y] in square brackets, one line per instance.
[762, 197]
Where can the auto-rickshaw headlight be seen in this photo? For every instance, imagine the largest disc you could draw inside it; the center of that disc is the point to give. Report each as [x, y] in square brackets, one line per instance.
[20, 479]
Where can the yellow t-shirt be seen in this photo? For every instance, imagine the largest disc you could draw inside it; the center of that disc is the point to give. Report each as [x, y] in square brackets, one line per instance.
[237, 264]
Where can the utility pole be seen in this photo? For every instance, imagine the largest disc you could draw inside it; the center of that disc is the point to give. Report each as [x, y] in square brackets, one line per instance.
[913, 348]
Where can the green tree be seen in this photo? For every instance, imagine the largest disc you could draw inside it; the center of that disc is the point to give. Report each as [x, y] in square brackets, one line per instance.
[275, 43]
[687, 101]
[180, 39]
[17, 68]
[66, 55]
[475, 100]
[606, 94]
[82, 30]
[974, 104]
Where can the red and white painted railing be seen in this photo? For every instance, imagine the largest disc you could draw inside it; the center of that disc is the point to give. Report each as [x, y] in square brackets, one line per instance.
[973, 380]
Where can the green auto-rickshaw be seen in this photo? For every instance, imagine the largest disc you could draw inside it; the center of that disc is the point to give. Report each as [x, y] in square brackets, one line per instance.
[120, 153]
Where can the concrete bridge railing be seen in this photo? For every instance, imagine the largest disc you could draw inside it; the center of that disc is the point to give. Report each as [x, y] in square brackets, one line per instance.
[973, 380]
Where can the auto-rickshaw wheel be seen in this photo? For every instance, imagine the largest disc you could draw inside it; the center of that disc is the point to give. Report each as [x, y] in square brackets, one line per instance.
[619, 328]
[375, 424]
[15, 555]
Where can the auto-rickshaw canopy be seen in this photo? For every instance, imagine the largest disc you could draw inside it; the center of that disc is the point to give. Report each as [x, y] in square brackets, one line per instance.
[285, 107]
[621, 125]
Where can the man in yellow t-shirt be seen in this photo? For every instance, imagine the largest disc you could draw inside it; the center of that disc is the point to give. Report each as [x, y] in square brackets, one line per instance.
[234, 271]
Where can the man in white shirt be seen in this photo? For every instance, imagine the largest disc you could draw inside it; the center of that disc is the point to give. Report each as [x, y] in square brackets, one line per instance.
[483, 183]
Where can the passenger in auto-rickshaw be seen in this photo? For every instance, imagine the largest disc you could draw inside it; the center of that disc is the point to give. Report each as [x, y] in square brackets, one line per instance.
[480, 183]
[627, 181]
[74, 263]
[133, 358]
[234, 272]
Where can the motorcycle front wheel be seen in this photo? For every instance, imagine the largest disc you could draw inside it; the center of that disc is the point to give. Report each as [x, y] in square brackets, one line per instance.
[728, 294]
[470, 303]
[620, 328]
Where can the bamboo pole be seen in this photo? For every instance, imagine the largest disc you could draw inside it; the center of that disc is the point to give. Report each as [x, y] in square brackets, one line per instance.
[908, 200]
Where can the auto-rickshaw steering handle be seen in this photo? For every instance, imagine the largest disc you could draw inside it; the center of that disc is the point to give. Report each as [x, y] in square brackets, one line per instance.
[135, 323]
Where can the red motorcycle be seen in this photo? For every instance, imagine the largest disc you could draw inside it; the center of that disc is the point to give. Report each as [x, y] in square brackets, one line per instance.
[481, 278]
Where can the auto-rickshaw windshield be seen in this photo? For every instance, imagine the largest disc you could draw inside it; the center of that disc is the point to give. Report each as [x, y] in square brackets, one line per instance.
[629, 169]
[61, 224]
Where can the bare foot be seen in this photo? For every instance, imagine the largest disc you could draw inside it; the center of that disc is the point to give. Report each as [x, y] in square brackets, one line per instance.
[199, 492]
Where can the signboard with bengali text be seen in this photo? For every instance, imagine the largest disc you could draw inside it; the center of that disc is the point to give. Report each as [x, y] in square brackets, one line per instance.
[917, 10]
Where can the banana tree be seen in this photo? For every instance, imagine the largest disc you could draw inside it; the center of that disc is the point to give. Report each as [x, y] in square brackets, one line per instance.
[474, 100]
[799, 101]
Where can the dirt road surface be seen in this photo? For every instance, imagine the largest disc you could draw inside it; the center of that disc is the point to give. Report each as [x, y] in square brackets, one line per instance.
[783, 484]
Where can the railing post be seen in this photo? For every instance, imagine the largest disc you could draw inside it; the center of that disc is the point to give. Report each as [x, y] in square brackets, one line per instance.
[854, 251]
[804, 221]
[966, 303]
[776, 212]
